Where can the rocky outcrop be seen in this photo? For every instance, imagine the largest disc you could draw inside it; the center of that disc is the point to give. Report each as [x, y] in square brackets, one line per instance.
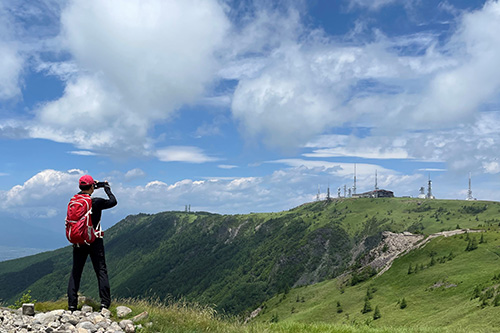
[84, 321]
[394, 245]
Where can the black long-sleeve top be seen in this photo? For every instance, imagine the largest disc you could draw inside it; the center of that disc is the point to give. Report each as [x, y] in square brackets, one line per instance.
[98, 204]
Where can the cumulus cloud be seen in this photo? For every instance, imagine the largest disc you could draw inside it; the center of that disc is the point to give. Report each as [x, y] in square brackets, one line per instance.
[460, 91]
[133, 63]
[308, 85]
[44, 195]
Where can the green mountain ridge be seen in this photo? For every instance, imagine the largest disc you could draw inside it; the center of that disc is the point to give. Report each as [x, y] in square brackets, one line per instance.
[239, 262]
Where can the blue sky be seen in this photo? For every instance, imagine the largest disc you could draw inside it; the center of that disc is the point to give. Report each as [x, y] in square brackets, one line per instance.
[242, 106]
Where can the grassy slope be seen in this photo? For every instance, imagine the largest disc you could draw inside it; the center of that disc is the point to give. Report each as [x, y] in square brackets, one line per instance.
[450, 307]
[181, 317]
[243, 263]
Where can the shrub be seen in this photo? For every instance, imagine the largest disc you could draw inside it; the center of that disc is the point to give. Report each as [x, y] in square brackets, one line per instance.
[25, 298]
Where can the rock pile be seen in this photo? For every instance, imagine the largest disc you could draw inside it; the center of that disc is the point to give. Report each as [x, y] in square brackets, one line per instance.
[84, 321]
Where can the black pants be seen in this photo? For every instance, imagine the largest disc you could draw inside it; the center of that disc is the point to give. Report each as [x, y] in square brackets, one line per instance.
[80, 254]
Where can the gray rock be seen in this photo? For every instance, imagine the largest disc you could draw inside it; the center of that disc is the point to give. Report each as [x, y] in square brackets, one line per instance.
[96, 318]
[122, 311]
[29, 309]
[125, 322]
[19, 322]
[68, 327]
[87, 325]
[129, 328]
[115, 326]
[106, 313]
[104, 324]
[44, 318]
[57, 313]
[87, 309]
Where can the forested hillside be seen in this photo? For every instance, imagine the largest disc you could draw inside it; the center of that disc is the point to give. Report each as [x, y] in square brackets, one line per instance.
[237, 262]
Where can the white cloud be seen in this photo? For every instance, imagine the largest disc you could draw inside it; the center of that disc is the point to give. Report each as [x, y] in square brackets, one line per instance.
[371, 4]
[491, 167]
[11, 66]
[134, 174]
[460, 91]
[115, 90]
[336, 168]
[308, 85]
[42, 196]
[227, 166]
[10, 70]
[362, 152]
[187, 154]
[82, 153]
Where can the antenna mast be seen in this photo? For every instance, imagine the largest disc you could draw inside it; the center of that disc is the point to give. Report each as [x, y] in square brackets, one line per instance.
[376, 182]
[429, 188]
[354, 187]
[469, 192]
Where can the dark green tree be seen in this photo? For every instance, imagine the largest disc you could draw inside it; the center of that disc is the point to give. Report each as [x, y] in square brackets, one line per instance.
[496, 300]
[410, 269]
[403, 304]
[367, 307]
[339, 307]
[369, 293]
[376, 314]
[472, 244]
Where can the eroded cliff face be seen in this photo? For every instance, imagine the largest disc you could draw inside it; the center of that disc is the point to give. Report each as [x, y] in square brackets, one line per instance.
[394, 245]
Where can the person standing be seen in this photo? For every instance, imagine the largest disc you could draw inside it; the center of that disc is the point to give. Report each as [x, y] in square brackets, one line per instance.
[95, 249]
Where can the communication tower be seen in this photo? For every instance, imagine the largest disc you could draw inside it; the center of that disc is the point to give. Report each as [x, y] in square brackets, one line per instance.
[376, 181]
[345, 191]
[328, 193]
[354, 186]
[429, 189]
[338, 192]
[317, 195]
[469, 192]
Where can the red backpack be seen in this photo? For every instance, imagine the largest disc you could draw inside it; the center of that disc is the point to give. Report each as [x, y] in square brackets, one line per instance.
[79, 229]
